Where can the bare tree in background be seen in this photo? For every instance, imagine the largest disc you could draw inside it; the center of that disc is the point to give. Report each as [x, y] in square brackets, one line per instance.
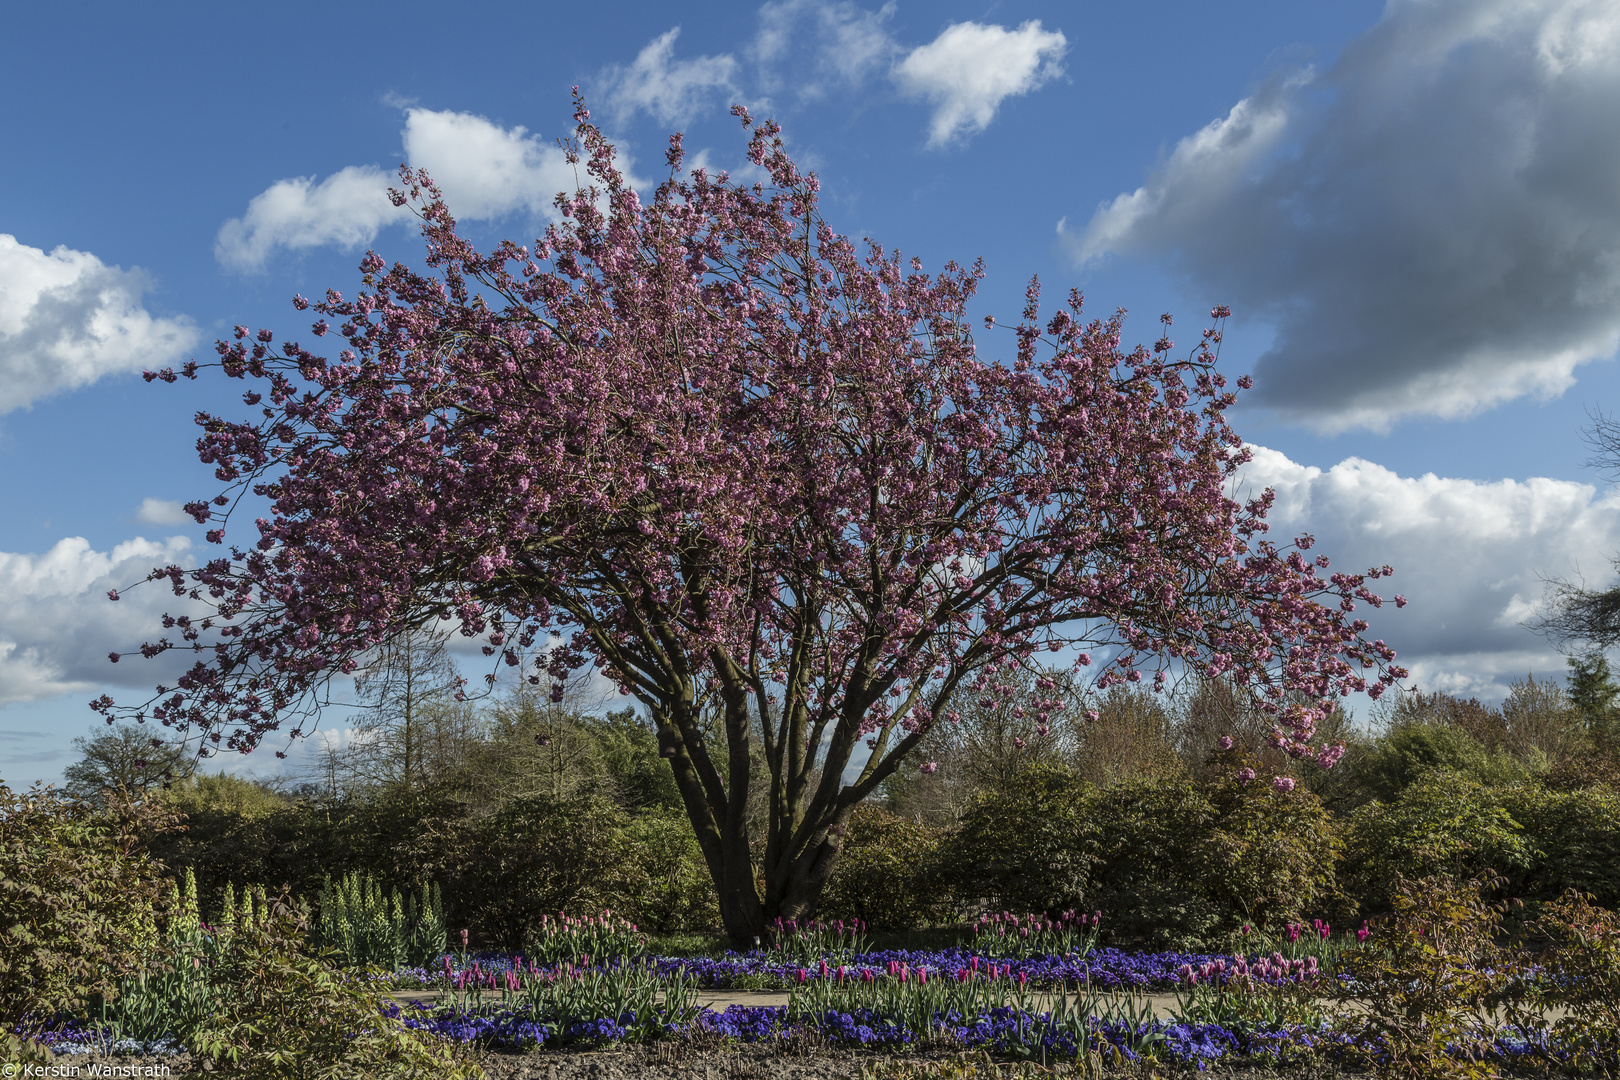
[1039, 717]
[999, 737]
[411, 728]
[1128, 735]
[331, 768]
[1573, 614]
[538, 746]
[410, 696]
[1538, 717]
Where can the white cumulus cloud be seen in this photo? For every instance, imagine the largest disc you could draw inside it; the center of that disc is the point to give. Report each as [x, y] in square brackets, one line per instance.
[347, 208]
[163, 512]
[485, 171]
[1432, 224]
[67, 319]
[970, 69]
[671, 90]
[1471, 557]
[57, 625]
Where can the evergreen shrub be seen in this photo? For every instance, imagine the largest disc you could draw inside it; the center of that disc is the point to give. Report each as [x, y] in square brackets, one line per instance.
[889, 874]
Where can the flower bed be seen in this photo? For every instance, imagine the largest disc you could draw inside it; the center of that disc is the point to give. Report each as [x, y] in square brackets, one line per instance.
[1434, 988]
[1106, 969]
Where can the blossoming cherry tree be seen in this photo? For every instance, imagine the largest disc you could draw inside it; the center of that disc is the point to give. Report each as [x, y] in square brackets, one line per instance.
[765, 479]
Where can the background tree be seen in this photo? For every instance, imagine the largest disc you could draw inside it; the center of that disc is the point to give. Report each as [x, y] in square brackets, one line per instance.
[408, 695]
[1592, 693]
[1538, 718]
[1574, 615]
[1128, 736]
[128, 758]
[765, 480]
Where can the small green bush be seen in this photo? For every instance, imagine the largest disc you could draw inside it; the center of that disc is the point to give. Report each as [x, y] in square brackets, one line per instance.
[1024, 847]
[1441, 825]
[678, 893]
[888, 874]
[1577, 836]
[79, 898]
[283, 1014]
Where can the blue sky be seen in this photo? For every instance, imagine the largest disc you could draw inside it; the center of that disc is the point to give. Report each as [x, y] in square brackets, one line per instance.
[1414, 211]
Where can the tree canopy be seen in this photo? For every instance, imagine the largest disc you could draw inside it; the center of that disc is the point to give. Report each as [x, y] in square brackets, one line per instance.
[128, 759]
[764, 478]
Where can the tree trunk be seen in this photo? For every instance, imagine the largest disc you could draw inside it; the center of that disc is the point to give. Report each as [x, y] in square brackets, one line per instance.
[742, 915]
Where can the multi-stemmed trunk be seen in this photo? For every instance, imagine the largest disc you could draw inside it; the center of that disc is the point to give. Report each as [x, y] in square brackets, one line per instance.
[785, 875]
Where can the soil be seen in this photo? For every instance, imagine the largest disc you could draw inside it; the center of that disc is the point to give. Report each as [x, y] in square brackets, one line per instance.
[785, 1060]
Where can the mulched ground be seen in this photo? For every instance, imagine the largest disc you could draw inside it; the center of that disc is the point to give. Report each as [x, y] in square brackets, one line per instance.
[764, 1062]
[784, 1060]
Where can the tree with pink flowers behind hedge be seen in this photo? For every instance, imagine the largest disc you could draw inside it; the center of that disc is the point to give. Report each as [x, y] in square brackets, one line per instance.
[769, 481]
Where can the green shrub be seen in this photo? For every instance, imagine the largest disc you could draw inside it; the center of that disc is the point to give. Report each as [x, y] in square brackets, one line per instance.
[1023, 846]
[1577, 834]
[1427, 983]
[678, 894]
[1580, 991]
[79, 898]
[233, 830]
[535, 857]
[238, 831]
[1170, 864]
[628, 750]
[1271, 857]
[888, 873]
[1411, 752]
[1442, 825]
[283, 1014]
[1149, 879]
[212, 792]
